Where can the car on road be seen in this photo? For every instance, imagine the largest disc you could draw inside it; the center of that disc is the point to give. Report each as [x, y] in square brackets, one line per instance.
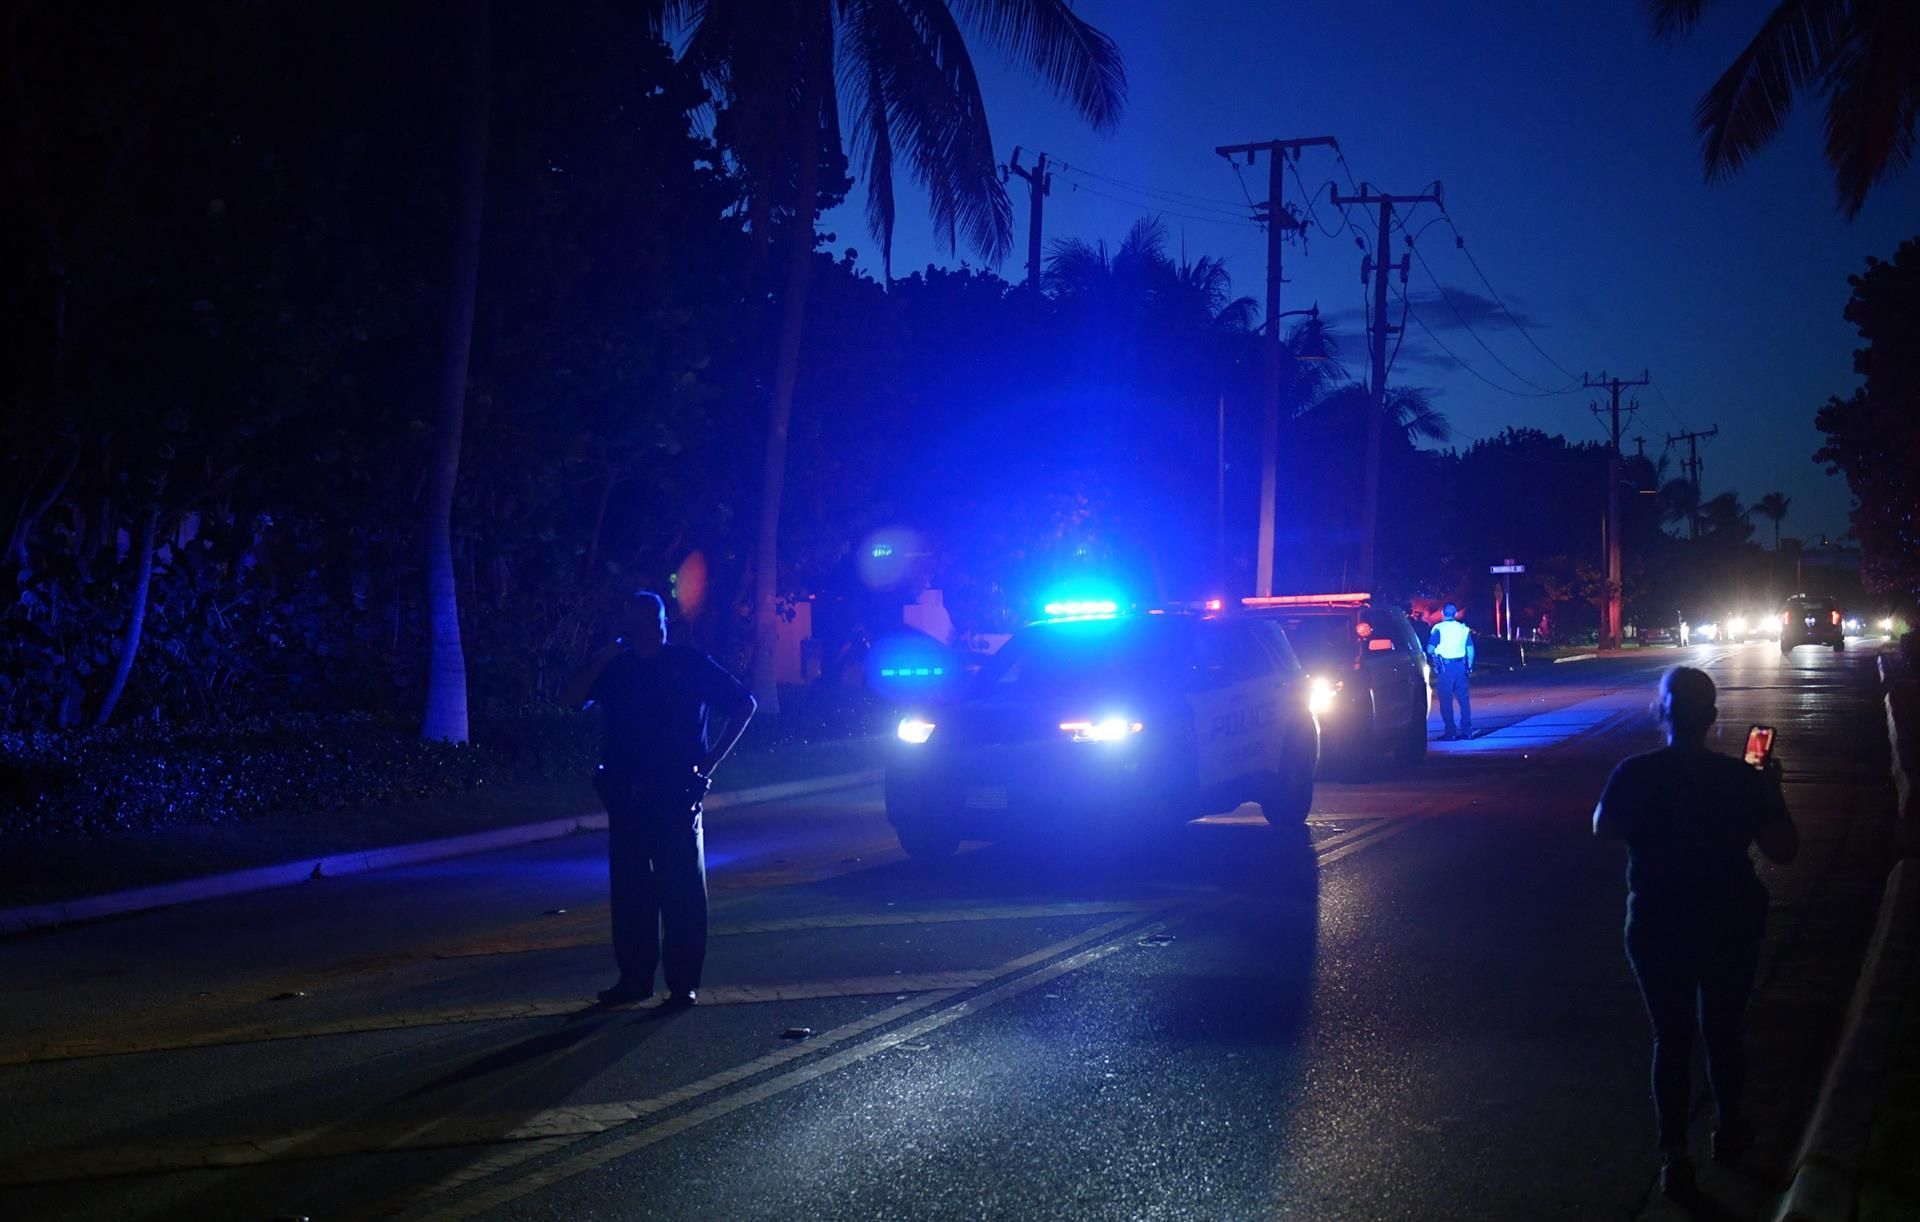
[1372, 687]
[1097, 723]
[1811, 620]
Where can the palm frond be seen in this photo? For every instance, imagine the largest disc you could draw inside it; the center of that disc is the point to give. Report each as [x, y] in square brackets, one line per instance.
[1747, 105]
[1081, 64]
[934, 114]
[1873, 90]
[1672, 18]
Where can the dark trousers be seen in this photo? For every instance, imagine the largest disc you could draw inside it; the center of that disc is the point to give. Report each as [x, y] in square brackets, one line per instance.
[657, 868]
[1689, 984]
[1450, 677]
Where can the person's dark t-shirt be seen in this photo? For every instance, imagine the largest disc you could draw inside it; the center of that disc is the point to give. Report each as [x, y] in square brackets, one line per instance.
[654, 711]
[1688, 815]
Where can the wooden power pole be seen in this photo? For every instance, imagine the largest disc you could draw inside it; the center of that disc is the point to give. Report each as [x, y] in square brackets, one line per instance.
[1278, 221]
[1039, 186]
[1379, 265]
[1610, 626]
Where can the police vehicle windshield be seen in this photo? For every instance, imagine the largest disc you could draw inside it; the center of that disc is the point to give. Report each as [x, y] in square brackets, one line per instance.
[1077, 655]
[1321, 640]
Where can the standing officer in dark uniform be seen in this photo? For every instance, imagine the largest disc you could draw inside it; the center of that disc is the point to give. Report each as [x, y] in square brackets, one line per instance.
[659, 747]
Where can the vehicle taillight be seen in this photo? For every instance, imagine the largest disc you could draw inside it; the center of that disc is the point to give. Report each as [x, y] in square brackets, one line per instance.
[1835, 615]
[1783, 619]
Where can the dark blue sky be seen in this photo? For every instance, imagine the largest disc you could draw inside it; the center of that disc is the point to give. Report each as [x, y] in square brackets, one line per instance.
[1563, 135]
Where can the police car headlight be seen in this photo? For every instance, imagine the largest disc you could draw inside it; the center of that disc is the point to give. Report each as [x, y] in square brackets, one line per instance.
[1320, 696]
[915, 730]
[1106, 730]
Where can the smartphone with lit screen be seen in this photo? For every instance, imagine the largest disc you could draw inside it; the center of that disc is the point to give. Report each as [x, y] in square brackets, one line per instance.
[1759, 745]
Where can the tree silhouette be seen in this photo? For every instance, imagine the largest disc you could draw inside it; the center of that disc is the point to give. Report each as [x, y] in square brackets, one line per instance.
[1773, 507]
[1863, 56]
[900, 70]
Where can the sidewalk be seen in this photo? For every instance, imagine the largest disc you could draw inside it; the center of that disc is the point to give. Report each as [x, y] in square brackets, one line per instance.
[385, 851]
[1856, 1158]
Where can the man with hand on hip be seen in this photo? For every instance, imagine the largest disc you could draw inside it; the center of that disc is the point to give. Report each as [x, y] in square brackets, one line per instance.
[670, 714]
[1450, 645]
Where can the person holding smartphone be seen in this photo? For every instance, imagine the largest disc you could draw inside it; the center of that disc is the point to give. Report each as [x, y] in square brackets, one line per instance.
[1696, 911]
[659, 746]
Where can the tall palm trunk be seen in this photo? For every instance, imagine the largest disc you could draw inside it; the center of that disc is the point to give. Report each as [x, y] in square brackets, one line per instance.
[136, 614]
[446, 714]
[786, 374]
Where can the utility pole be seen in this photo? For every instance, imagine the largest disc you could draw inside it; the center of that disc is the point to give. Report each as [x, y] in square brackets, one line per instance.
[1378, 265]
[1039, 186]
[1610, 625]
[1278, 221]
[1691, 465]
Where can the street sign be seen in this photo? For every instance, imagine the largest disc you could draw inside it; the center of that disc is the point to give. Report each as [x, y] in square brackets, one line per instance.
[1507, 568]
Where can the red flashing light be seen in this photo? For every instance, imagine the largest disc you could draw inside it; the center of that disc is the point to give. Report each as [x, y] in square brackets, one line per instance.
[1304, 600]
[1214, 604]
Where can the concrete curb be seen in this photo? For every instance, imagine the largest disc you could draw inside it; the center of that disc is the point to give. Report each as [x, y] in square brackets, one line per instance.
[1576, 657]
[340, 865]
[1827, 1172]
[1903, 731]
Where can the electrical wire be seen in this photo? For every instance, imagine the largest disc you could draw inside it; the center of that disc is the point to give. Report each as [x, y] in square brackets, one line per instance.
[1183, 196]
[1477, 338]
[1153, 198]
[1684, 426]
[1312, 197]
[1185, 216]
[1460, 244]
[1441, 344]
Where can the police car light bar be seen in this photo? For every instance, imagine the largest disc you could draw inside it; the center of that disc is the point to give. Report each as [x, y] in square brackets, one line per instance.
[1300, 600]
[1069, 610]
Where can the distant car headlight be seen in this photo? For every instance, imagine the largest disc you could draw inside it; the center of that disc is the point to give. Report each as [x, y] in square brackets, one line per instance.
[1886, 625]
[1320, 696]
[1106, 730]
[1737, 625]
[915, 730]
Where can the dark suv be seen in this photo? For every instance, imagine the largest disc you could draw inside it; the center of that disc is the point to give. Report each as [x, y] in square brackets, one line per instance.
[1807, 620]
[1371, 686]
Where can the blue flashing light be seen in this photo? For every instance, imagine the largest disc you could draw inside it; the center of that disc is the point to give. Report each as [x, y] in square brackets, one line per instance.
[882, 550]
[1082, 608]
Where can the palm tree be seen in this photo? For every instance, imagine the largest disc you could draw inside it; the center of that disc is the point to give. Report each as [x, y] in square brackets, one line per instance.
[1863, 56]
[1679, 501]
[446, 712]
[900, 71]
[1773, 507]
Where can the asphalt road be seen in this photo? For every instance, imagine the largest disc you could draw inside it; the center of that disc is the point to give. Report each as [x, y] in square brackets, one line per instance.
[1414, 1007]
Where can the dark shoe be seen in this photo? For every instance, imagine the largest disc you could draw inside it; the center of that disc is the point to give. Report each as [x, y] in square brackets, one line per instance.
[1448, 736]
[1731, 1141]
[681, 1001]
[1676, 1177]
[1466, 733]
[625, 992]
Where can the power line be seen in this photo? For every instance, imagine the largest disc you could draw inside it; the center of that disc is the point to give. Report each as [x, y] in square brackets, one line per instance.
[1441, 344]
[1477, 338]
[1204, 201]
[1460, 244]
[1311, 197]
[1663, 403]
[1185, 216]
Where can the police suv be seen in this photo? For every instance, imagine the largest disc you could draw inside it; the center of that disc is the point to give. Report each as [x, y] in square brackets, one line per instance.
[1096, 721]
[1371, 687]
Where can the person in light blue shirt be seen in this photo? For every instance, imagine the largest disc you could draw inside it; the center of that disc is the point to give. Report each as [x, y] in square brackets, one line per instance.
[1450, 645]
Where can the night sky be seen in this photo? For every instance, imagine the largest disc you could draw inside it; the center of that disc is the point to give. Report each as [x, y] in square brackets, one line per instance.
[1563, 135]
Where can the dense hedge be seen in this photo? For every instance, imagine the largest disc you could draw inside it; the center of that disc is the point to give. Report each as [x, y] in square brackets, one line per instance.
[139, 778]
